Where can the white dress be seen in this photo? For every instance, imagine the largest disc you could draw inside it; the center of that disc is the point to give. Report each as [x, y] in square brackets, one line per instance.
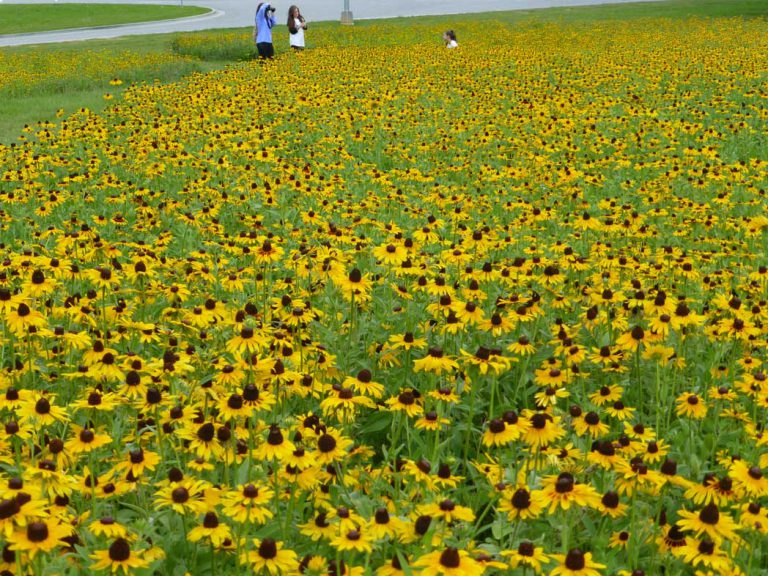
[298, 38]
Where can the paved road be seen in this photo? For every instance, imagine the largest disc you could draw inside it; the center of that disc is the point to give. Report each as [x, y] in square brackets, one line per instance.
[239, 13]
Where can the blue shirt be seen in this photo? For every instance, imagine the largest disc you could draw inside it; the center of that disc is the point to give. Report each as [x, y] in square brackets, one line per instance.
[264, 24]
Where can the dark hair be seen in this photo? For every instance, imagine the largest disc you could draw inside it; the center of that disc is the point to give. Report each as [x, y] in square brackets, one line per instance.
[451, 34]
[290, 15]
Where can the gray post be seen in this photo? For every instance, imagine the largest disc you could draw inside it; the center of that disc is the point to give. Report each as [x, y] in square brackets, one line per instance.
[346, 15]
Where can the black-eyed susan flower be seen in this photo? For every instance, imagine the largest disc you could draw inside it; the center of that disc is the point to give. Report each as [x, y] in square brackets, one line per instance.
[86, 440]
[40, 536]
[109, 527]
[435, 361]
[363, 383]
[354, 286]
[211, 529]
[276, 446]
[591, 424]
[522, 503]
[408, 401]
[606, 394]
[499, 434]
[394, 567]
[271, 557]
[576, 563]
[522, 347]
[119, 557]
[691, 406]
[343, 403]
[319, 527]
[248, 503]
[185, 497]
[23, 319]
[544, 429]
[707, 553]
[385, 525]
[247, 341]
[717, 526]
[619, 540]
[407, 341]
[527, 555]
[447, 510]
[749, 480]
[356, 539]
[431, 421]
[448, 562]
[38, 410]
[611, 505]
[331, 447]
[562, 491]
[754, 517]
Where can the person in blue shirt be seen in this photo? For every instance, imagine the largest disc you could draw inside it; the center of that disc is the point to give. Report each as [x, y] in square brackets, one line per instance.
[265, 19]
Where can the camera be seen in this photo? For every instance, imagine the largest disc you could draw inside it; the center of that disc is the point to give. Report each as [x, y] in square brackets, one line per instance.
[271, 9]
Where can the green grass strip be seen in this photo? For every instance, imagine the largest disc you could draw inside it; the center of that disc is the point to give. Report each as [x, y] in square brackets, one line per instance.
[26, 18]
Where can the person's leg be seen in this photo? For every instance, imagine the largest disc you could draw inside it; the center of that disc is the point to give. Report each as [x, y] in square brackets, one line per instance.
[264, 49]
[270, 50]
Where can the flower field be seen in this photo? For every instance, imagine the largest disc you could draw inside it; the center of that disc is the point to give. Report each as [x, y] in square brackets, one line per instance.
[386, 308]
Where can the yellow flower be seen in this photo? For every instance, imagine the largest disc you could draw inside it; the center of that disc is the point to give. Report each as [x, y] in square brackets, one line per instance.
[270, 557]
[355, 540]
[691, 405]
[40, 536]
[562, 491]
[435, 361]
[216, 532]
[576, 563]
[448, 562]
[118, 557]
[710, 521]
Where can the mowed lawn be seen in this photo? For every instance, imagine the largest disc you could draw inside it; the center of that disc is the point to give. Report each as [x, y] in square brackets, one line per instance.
[25, 18]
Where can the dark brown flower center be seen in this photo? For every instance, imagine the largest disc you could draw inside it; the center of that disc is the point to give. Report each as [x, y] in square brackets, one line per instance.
[709, 514]
[180, 495]
[326, 443]
[450, 558]
[206, 432]
[564, 483]
[120, 550]
[42, 406]
[382, 516]
[211, 520]
[575, 560]
[268, 549]
[37, 532]
[496, 426]
[521, 499]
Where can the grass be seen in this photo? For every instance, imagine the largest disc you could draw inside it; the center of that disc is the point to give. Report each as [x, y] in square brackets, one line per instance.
[26, 18]
[16, 112]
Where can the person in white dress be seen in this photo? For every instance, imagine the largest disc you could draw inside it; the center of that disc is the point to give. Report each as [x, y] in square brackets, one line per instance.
[449, 37]
[296, 27]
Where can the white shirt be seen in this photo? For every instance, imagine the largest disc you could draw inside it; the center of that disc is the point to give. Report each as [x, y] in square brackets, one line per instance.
[452, 44]
[298, 38]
